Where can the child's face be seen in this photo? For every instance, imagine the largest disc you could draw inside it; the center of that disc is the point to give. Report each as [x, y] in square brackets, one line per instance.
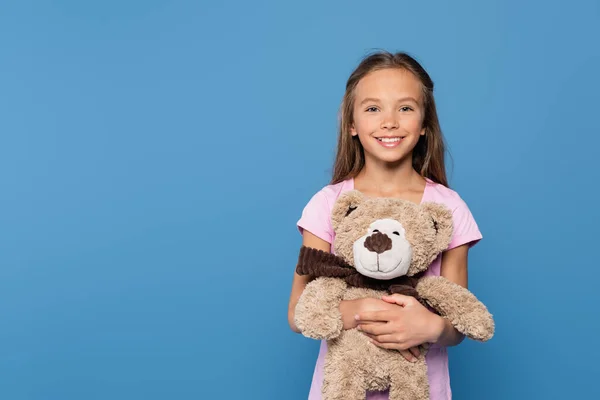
[388, 114]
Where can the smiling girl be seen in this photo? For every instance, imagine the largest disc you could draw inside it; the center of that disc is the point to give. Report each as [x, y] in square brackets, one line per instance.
[390, 145]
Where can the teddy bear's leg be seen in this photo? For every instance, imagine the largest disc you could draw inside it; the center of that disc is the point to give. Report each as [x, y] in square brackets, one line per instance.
[343, 389]
[342, 382]
[409, 381]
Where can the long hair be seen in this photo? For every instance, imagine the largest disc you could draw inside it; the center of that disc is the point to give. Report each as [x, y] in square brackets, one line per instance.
[428, 154]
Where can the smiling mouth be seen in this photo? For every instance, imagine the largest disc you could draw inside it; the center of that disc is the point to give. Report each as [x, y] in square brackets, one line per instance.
[389, 141]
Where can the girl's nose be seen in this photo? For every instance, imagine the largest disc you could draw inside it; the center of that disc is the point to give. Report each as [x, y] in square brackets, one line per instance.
[389, 122]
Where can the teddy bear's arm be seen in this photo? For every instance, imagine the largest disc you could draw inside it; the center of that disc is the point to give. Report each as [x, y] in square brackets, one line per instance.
[317, 313]
[468, 315]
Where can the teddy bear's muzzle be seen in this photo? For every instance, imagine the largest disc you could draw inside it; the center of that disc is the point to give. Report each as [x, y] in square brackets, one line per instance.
[378, 242]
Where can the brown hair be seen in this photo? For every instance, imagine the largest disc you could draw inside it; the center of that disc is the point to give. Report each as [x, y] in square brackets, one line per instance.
[428, 154]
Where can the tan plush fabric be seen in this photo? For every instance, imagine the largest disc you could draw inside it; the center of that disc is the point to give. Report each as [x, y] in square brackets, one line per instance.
[419, 221]
[356, 365]
[317, 313]
[468, 315]
[317, 262]
[353, 364]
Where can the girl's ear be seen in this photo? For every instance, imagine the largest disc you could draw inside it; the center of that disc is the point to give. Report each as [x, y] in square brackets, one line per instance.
[345, 204]
[440, 217]
[353, 130]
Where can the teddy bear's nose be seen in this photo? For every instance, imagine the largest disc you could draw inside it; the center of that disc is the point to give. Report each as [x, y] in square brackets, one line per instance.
[378, 242]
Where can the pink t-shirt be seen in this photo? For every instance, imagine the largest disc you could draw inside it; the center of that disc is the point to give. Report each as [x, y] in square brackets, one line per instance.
[316, 218]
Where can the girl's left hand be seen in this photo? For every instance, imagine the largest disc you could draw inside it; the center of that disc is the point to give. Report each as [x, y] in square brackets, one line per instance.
[408, 326]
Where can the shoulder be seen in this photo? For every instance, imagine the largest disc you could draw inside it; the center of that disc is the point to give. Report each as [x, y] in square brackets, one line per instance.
[442, 194]
[327, 195]
[330, 193]
[466, 229]
[316, 215]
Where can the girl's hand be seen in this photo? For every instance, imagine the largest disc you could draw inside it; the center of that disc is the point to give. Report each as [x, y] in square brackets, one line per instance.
[401, 328]
[349, 308]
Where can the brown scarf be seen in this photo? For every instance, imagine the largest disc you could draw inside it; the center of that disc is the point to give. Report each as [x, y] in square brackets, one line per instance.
[318, 263]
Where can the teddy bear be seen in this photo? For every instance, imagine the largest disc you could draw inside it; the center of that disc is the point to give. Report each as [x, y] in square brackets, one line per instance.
[381, 246]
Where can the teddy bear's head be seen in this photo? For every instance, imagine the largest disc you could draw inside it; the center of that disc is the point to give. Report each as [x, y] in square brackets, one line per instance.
[384, 238]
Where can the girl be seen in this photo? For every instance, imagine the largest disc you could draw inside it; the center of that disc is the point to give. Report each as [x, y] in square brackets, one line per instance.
[390, 145]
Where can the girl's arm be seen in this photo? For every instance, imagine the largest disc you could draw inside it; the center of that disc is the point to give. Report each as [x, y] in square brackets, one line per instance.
[455, 269]
[300, 281]
[348, 308]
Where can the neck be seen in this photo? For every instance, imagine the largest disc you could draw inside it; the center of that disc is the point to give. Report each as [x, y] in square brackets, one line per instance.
[385, 178]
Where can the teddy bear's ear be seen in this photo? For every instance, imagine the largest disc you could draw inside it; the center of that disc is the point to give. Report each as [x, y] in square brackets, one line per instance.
[441, 218]
[345, 204]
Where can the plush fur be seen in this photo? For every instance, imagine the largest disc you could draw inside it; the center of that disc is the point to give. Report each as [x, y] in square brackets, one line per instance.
[353, 364]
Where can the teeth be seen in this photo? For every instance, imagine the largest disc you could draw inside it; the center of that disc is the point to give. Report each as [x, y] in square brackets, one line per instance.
[389, 140]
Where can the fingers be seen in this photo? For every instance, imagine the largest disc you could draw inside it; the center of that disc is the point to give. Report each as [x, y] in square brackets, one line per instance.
[415, 351]
[375, 329]
[399, 299]
[384, 339]
[372, 316]
[393, 340]
[407, 354]
[389, 346]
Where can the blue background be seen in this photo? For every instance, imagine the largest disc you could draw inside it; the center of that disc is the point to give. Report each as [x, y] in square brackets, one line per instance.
[156, 155]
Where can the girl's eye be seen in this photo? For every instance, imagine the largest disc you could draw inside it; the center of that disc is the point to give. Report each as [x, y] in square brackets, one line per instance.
[371, 109]
[406, 108]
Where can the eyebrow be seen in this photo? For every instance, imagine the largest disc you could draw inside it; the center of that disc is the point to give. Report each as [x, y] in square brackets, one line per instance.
[374, 100]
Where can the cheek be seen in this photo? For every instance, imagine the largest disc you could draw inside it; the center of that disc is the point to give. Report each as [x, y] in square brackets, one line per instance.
[412, 124]
[365, 125]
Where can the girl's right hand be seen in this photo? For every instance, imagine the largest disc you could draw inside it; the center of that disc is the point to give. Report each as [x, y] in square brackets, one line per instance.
[349, 308]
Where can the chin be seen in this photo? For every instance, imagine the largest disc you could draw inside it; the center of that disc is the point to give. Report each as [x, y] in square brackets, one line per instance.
[396, 155]
[389, 158]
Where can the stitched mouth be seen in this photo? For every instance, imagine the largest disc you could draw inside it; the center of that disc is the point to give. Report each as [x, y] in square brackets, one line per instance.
[391, 270]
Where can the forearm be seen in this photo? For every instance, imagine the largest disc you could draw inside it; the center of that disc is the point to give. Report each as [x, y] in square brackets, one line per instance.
[291, 321]
[446, 335]
[292, 308]
[348, 310]
[454, 268]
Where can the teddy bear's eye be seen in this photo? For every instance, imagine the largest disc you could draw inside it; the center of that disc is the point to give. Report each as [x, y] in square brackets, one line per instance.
[350, 209]
[396, 233]
[375, 230]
